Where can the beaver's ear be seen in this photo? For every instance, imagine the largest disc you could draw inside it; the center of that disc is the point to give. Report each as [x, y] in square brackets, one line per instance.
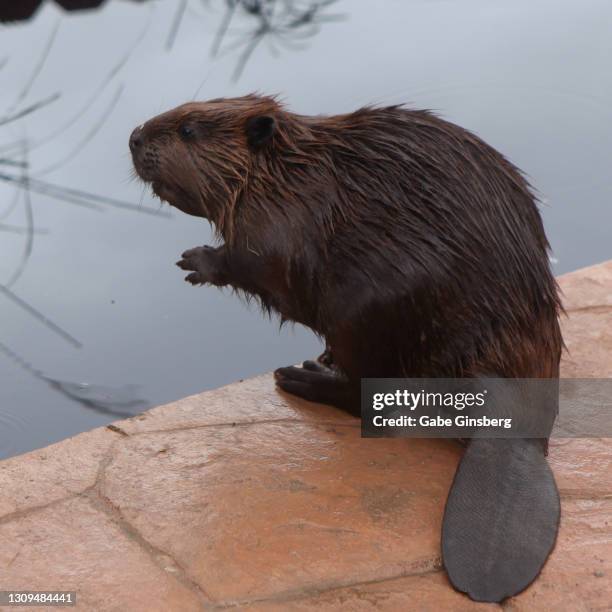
[259, 130]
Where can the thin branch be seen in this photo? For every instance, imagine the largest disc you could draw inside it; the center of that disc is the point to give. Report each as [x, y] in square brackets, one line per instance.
[78, 196]
[296, 19]
[18, 229]
[20, 361]
[105, 400]
[246, 54]
[30, 109]
[29, 243]
[95, 397]
[12, 206]
[39, 316]
[176, 24]
[53, 192]
[9, 147]
[12, 162]
[89, 136]
[38, 67]
[227, 18]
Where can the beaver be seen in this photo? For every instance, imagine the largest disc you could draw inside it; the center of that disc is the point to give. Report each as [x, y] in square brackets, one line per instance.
[409, 245]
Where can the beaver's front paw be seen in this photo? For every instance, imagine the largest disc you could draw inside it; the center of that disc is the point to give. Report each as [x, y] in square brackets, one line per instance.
[207, 263]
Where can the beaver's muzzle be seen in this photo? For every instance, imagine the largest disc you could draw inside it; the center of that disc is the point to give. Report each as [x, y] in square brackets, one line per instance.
[136, 140]
[144, 155]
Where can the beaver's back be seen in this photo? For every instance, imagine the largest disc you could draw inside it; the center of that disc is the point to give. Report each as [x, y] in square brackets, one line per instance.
[445, 235]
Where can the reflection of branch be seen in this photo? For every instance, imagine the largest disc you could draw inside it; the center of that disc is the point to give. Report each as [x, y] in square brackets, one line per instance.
[176, 24]
[9, 147]
[246, 54]
[227, 18]
[29, 243]
[20, 361]
[30, 109]
[298, 19]
[11, 207]
[17, 229]
[101, 399]
[55, 192]
[39, 316]
[77, 196]
[38, 67]
[88, 136]
[12, 162]
[115, 402]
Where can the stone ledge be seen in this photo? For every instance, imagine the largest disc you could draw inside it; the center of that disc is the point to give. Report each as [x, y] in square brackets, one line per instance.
[246, 498]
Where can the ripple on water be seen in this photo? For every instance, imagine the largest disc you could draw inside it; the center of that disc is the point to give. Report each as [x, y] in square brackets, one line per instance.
[12, 429]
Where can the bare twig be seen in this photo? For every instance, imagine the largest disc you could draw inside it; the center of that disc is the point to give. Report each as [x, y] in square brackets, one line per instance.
[87, 137]
[176, 24]
[12, 162]
[246, 54]
[295, 19]
[20, 361]
[30, 109]
[227, 18]
[29, 243]
[52, 193]
[77, 196]
[39, 316]
[15, 145]
[37, 68]
[18, 229]
[106, 400]
[12, 206]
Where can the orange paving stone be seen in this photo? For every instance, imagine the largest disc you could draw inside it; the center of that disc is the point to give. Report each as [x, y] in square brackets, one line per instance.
[246, 498]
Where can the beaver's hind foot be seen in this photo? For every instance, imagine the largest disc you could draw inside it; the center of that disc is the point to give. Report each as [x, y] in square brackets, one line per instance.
[316, 382]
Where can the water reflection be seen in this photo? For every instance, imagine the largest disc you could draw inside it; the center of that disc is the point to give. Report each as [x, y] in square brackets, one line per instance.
[119, 402]
[89, 291]
[286, 24]
[112, 402]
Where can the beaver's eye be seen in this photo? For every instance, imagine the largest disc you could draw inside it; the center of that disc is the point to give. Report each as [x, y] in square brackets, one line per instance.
[187, 131]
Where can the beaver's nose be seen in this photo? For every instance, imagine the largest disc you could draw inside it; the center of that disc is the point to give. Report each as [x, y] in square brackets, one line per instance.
[136, 139]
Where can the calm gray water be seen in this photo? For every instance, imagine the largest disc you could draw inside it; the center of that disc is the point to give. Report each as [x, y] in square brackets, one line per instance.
[533, 79]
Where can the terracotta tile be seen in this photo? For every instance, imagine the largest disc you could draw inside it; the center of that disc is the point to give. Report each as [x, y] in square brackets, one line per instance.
[588, 337]
[427, 593]
[300, 513]
[588, 287]
[73, 547]
[578, 575]
[248, 401]
[268, 508]
[52, 473]
[587, 330]
[582, 466]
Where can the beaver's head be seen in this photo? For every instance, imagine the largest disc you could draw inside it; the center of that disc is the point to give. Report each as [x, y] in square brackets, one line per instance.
[198, 156]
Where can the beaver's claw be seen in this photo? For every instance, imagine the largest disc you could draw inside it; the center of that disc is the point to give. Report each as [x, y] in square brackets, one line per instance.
[206, 263]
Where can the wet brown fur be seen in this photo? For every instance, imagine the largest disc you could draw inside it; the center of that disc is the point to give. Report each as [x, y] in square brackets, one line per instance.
[409, 244]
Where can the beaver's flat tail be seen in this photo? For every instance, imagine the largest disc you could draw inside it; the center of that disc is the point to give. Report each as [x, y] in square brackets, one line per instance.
[501, 518]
